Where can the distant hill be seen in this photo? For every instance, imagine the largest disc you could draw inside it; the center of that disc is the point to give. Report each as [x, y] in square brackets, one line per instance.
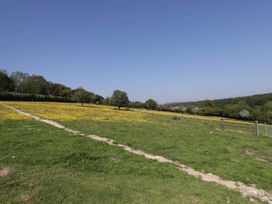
[259, 99]
[255, 107]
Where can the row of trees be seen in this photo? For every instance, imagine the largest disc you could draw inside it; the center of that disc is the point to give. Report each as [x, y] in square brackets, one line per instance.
[33, 86]
[23, 86]
[120, 99]
[257, 107]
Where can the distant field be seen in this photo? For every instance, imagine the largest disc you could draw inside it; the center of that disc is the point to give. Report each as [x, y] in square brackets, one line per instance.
[47, 164]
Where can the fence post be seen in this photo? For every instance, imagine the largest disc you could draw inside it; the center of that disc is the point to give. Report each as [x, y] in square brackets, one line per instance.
[222, 126]
[256, 128]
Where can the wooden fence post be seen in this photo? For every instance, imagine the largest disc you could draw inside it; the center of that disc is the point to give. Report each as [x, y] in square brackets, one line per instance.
[222, 125]
[256, 128]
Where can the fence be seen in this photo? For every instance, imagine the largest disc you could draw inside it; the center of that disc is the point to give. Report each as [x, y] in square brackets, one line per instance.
[264, 130]
[256, 129]
[231, 125]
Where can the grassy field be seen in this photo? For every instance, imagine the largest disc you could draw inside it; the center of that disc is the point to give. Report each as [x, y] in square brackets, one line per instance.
[49, 165]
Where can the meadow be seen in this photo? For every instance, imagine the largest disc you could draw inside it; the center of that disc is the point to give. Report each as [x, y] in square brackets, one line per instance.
[50, 165]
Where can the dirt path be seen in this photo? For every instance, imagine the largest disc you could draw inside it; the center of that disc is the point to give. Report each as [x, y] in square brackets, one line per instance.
[245, 190]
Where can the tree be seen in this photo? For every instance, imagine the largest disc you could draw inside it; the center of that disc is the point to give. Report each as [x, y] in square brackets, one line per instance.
[18, 77]
[120, 99]
[98, 99]
[4, 71]
[151, 104]
[81, 95]
[107, 101]
[6, 84]
[34, 85]
[244, 113]
[208, 104]
[183, 109]
[57, 89]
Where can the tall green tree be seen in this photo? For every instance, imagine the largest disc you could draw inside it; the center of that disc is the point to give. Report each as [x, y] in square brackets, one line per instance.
[119, 99]
[57, 89]
[34, 85]
[6, 84]
[18, 77]
[82, 96]
[98, 99]
[151, 104]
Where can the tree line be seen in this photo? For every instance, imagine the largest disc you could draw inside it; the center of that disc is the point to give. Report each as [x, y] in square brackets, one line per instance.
[26, 87]
[256, 107]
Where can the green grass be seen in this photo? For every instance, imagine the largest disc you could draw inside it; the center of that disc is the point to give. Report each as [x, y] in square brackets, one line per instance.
[49, 165]
[230, 154]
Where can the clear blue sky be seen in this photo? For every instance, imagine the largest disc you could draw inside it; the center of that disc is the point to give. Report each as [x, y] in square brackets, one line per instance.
[169, 50]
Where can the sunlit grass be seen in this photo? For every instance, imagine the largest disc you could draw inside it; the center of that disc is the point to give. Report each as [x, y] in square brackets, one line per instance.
[49, 165]
[234, 153]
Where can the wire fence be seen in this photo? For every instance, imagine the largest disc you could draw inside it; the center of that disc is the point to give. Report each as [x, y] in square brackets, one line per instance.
[257, 129]
[250, 128]
[230, 125]
[265, 130]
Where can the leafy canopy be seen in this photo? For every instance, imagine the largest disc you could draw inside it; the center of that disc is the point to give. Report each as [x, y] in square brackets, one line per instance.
[151, 104]
[34, 85]
[6, 84]
[83, 96]
[120, 99]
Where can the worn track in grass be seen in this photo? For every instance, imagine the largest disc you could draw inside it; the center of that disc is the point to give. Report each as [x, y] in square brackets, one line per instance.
[244, 189]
